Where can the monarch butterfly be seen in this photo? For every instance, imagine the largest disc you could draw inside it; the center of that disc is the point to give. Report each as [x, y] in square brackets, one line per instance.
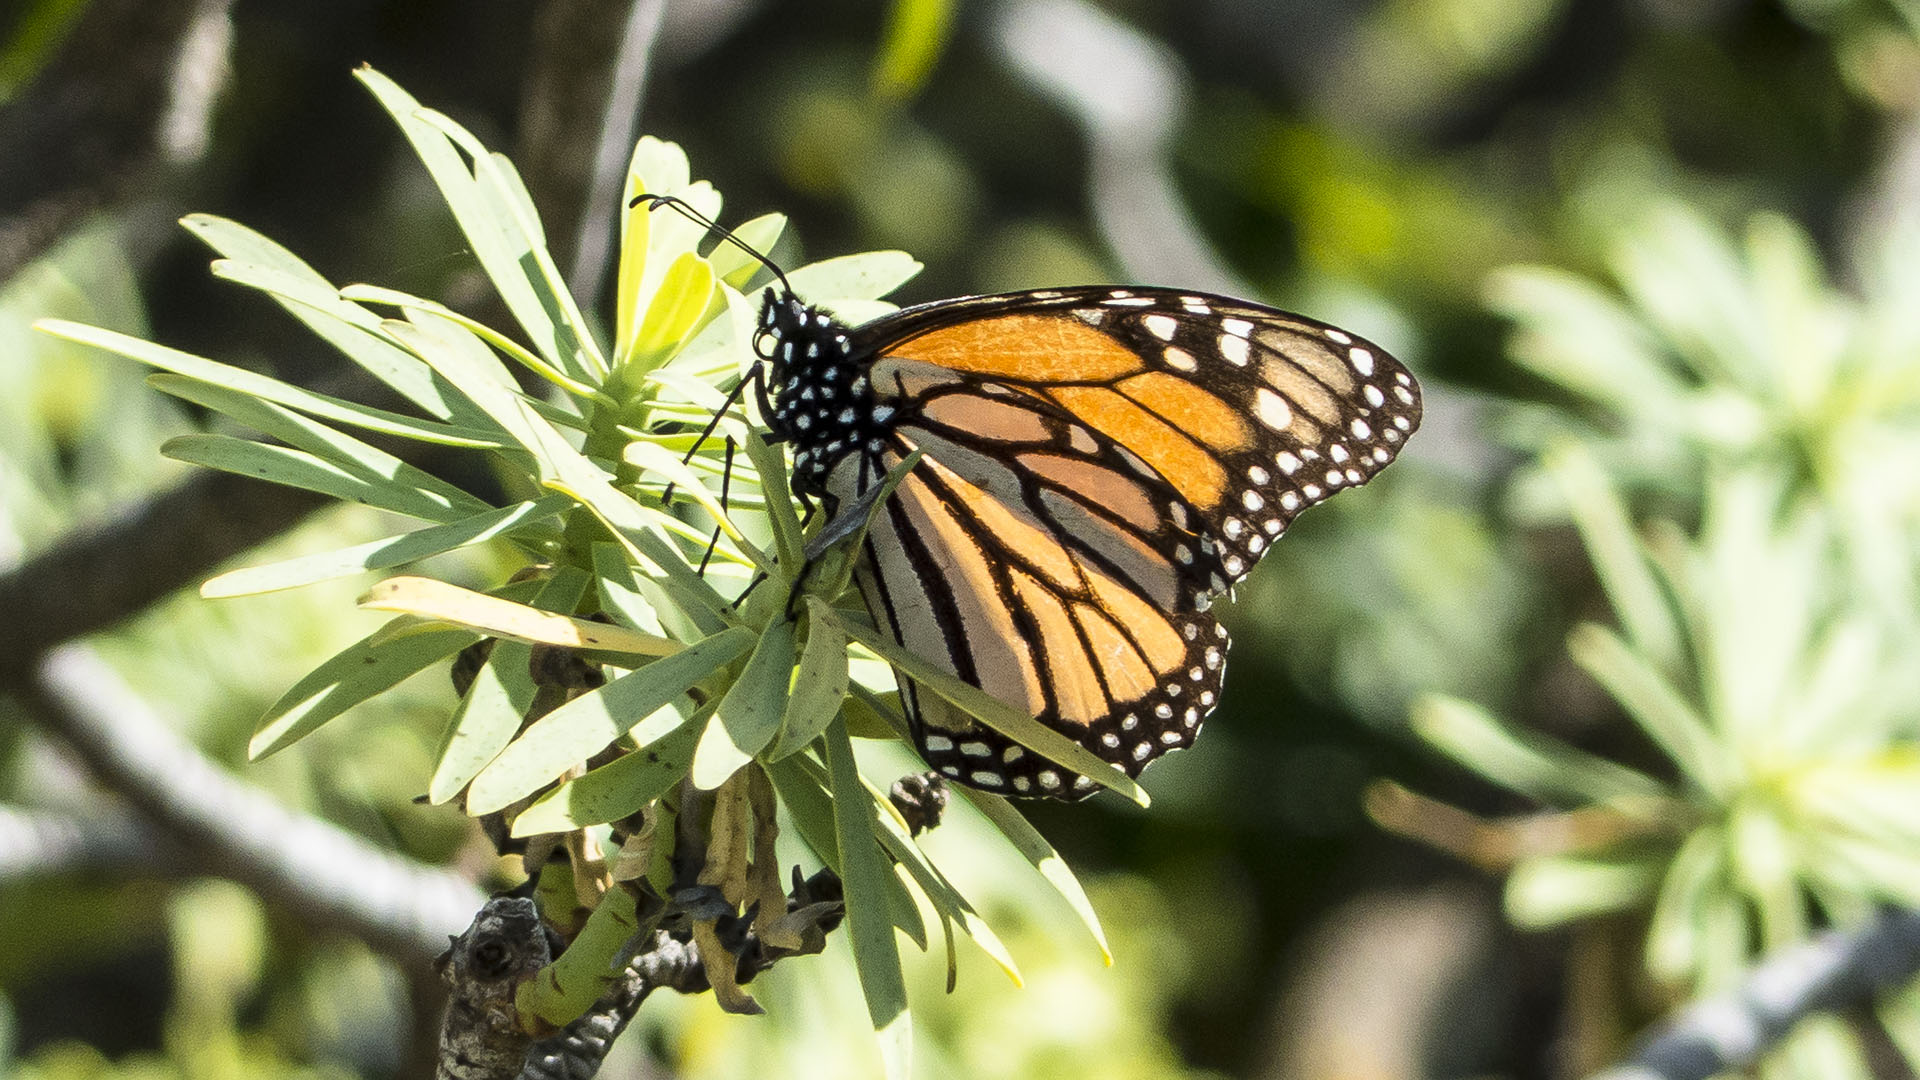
[1098, 464]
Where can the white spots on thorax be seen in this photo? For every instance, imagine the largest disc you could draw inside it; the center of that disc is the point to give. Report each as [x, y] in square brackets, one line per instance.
[1160, 326]
[1272, 409]
[846, 415]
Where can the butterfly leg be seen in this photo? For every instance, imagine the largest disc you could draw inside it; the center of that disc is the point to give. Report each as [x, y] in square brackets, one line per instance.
[726, 482]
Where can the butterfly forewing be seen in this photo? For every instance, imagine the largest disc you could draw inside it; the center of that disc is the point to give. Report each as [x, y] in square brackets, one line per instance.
[1253, 414]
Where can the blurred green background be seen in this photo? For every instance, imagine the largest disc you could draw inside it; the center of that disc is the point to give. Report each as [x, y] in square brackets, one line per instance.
[1601, 692]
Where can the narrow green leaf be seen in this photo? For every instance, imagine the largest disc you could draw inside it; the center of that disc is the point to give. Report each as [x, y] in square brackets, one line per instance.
[1695, 874]
[489, 213]
[622, 594]
[621, 787]
[1036, 850]
[1014, 723]
[531, 361]
[496, 704]
[385, 553]
[751, 710]
[1653, 703]
[367, 668]
[802, 786]
[1555, 890]
[1527, 762]
[257, 262]
[584, 726]
[770, 466]
[296, 468]
[467, 362]
[1649, 619]
[819, 684]
[864, 872]
[497, 616]
[269, 389]
[939, 891]
[868, 275]
[321, 440]
[675, 312]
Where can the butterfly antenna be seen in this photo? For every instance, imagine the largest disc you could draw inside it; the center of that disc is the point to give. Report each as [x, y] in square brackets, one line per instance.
[654, 202]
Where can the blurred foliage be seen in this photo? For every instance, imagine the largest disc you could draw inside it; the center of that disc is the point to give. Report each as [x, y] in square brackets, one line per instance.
[1761, 426]
[1656, 552]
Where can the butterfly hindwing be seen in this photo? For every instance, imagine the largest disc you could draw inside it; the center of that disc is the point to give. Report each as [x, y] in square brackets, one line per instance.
[1033, 558]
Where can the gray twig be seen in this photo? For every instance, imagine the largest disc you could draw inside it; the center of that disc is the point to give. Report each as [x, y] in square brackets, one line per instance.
[1129, 93]
[1833, 971]
[331, 876]
[619, 121]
